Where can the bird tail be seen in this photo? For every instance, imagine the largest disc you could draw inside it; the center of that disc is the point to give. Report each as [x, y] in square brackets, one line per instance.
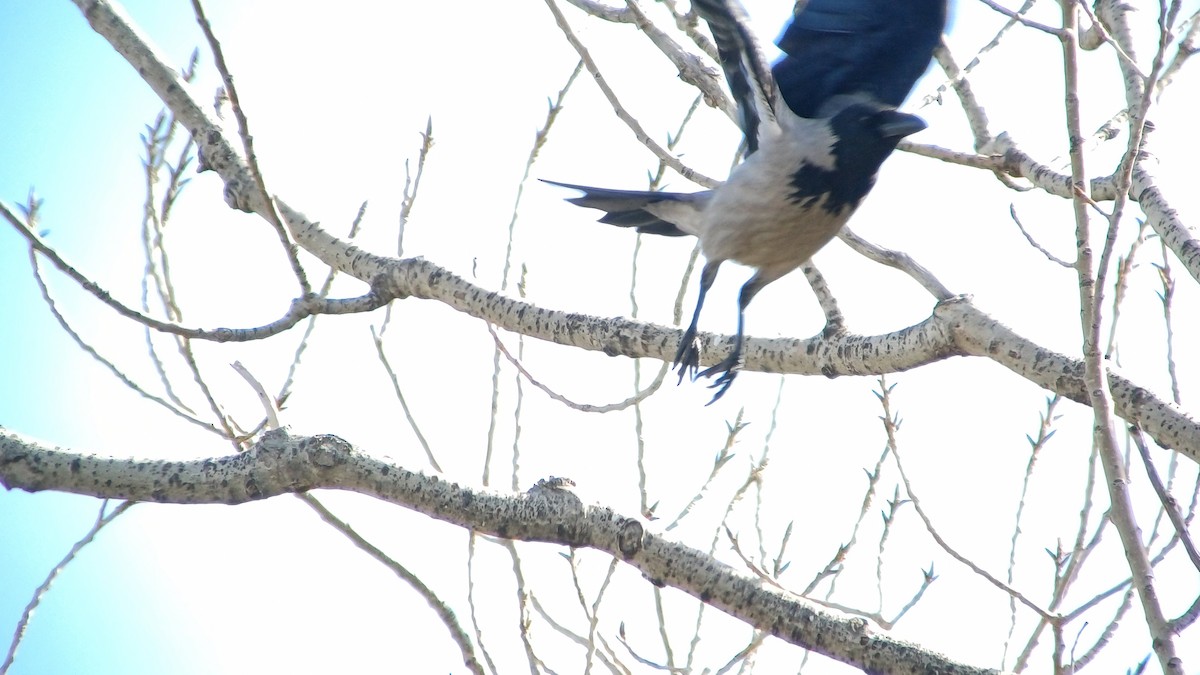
[648, 212]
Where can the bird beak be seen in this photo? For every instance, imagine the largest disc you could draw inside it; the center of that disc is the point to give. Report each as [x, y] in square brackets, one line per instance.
[895, 124]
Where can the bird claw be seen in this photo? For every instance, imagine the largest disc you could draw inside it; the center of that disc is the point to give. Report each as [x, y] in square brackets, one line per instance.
[687, 359]
[728, 369]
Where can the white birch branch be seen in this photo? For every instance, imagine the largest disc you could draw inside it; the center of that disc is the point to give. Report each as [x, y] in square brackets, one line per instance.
[281, 463]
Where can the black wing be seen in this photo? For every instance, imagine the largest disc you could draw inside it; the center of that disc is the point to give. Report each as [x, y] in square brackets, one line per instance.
[746, 67]
[876, 48]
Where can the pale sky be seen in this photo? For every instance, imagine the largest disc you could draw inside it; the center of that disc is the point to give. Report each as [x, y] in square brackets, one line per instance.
[338, 94]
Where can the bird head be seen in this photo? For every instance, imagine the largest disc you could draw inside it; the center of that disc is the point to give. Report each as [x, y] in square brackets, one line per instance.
[865, 135]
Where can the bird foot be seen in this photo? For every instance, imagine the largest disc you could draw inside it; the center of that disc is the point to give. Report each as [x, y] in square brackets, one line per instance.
[728, 369]
[687, 359]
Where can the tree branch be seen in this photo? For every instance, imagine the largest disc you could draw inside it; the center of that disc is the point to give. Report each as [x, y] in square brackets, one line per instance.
[281, 463]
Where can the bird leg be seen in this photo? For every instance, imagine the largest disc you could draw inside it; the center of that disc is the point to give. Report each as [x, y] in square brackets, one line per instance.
[731, 365]
[687, 358]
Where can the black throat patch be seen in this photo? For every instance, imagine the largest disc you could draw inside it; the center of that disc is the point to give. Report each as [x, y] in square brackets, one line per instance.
[860, 145]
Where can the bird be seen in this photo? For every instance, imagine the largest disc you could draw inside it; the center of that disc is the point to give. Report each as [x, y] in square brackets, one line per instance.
[817, 126]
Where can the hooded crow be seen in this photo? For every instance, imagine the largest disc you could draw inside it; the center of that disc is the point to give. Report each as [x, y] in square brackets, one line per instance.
[817, 128]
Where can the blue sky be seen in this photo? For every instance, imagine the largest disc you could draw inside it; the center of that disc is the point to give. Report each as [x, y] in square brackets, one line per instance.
[55, 126]
[338, 95]
[69, 126]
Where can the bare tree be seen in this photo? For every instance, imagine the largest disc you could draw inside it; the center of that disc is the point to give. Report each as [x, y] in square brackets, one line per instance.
[727, 529]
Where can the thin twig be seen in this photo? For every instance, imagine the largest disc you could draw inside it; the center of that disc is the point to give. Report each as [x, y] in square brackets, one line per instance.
[629, 120]
[285, 239]
[443, 611]
[44, 587]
